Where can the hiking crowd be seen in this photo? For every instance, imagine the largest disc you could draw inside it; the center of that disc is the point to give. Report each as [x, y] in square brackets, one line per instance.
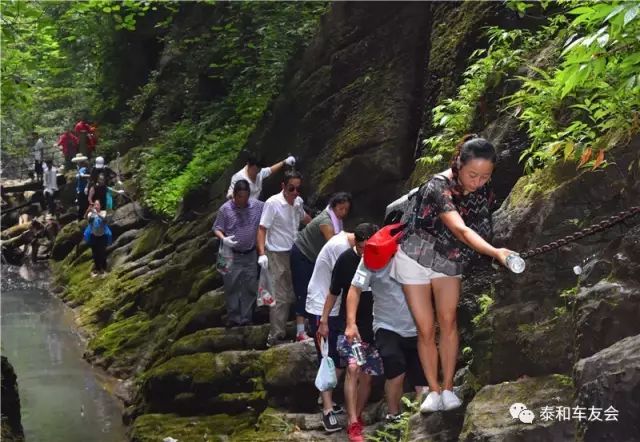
[369, 298]
[381, 290]
[94, 191]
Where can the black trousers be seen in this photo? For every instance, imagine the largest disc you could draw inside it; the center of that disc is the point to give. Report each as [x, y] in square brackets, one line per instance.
[83, 203]
[99, 252]
[50, 199]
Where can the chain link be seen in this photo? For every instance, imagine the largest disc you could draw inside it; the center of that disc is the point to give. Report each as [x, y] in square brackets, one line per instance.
[595, 228]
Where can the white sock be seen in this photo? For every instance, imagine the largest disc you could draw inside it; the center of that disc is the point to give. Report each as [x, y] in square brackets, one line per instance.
[299, 329]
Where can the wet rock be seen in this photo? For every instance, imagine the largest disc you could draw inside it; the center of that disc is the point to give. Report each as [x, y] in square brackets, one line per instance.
[488, 418]
[11, 419]
[611, 377]
[606, 313]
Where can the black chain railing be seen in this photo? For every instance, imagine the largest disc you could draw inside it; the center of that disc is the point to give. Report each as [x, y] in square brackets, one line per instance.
[595, 228]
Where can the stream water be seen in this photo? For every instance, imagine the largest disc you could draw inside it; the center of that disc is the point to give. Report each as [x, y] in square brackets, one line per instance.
[63, 398]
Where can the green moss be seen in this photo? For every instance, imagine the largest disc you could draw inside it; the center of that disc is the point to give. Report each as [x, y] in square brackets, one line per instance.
[155, 427]
[121, 335]
[149, 240]
[450, 34]
[539, 184]
[205, 368]
[205, 280]
[205, 313]
[564, 380]
[271, 360]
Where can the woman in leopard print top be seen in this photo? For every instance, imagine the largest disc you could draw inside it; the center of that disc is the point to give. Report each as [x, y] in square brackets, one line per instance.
[450, 224]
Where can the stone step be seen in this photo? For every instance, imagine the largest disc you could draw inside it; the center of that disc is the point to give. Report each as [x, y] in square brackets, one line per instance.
[218, 339]
[194, 383]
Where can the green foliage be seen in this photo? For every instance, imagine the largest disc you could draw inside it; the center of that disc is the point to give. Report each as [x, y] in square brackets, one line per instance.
[589, 102]
[485, 301]
[455, 116]
[57, 62]
[581, 105]
[252, 43]
[397, 431]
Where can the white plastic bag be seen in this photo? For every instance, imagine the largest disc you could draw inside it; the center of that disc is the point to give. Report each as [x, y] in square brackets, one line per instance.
[326, 378]
[225, 259]
[265, 290]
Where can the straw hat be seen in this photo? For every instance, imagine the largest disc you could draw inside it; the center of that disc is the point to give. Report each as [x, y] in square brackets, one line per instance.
[79, 157]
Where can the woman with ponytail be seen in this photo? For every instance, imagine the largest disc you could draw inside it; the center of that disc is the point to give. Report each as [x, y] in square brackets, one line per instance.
[449, 226]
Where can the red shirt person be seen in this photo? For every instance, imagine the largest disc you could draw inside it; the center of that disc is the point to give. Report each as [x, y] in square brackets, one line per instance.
[82, 126]
[68, 142]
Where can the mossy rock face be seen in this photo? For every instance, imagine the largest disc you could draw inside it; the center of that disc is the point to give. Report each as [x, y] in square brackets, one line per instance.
[289, 372]
[207, 312]
[351, 101]
[524, 335]
[204, 375]
[220, 339]
[229, 403]
[68, 238]
[488, 417]
[150, 239]
[155, 427]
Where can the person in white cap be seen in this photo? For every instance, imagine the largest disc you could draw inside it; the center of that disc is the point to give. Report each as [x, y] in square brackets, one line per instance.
[100, 168]
[253, 173]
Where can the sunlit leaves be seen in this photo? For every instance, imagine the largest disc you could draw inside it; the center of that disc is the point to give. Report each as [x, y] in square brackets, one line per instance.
[595, 87]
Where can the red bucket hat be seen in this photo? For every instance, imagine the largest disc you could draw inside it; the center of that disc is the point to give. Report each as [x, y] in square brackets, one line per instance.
[380, 248]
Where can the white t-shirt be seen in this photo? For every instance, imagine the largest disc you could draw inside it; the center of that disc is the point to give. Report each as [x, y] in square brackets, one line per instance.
[390, 309]
[281, 220]
[321, 278]
[37, 150]
[256, 187]
[50, 179]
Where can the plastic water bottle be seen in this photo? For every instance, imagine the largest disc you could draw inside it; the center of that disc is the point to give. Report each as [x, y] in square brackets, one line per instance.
[356, 348]
[515, 263]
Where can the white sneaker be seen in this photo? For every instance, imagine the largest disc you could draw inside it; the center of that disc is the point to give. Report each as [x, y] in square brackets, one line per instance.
[450, 400]
[433, 402]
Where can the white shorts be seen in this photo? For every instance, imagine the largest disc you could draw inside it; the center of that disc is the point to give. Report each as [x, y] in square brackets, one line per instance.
[407, 271]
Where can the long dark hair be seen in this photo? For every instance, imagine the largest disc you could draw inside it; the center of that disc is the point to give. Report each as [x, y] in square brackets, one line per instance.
[470, 147]
[338, 198]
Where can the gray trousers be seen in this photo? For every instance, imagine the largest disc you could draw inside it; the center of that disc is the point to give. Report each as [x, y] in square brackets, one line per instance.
[241, 287]
[280, 270]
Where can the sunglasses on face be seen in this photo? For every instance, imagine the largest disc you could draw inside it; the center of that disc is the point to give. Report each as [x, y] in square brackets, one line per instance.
[292, 188]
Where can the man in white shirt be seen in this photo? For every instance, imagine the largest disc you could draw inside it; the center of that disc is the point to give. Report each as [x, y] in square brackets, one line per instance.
[328, 324]
[50, 185]
[279, 223]
[254, 174]
[37, 150]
